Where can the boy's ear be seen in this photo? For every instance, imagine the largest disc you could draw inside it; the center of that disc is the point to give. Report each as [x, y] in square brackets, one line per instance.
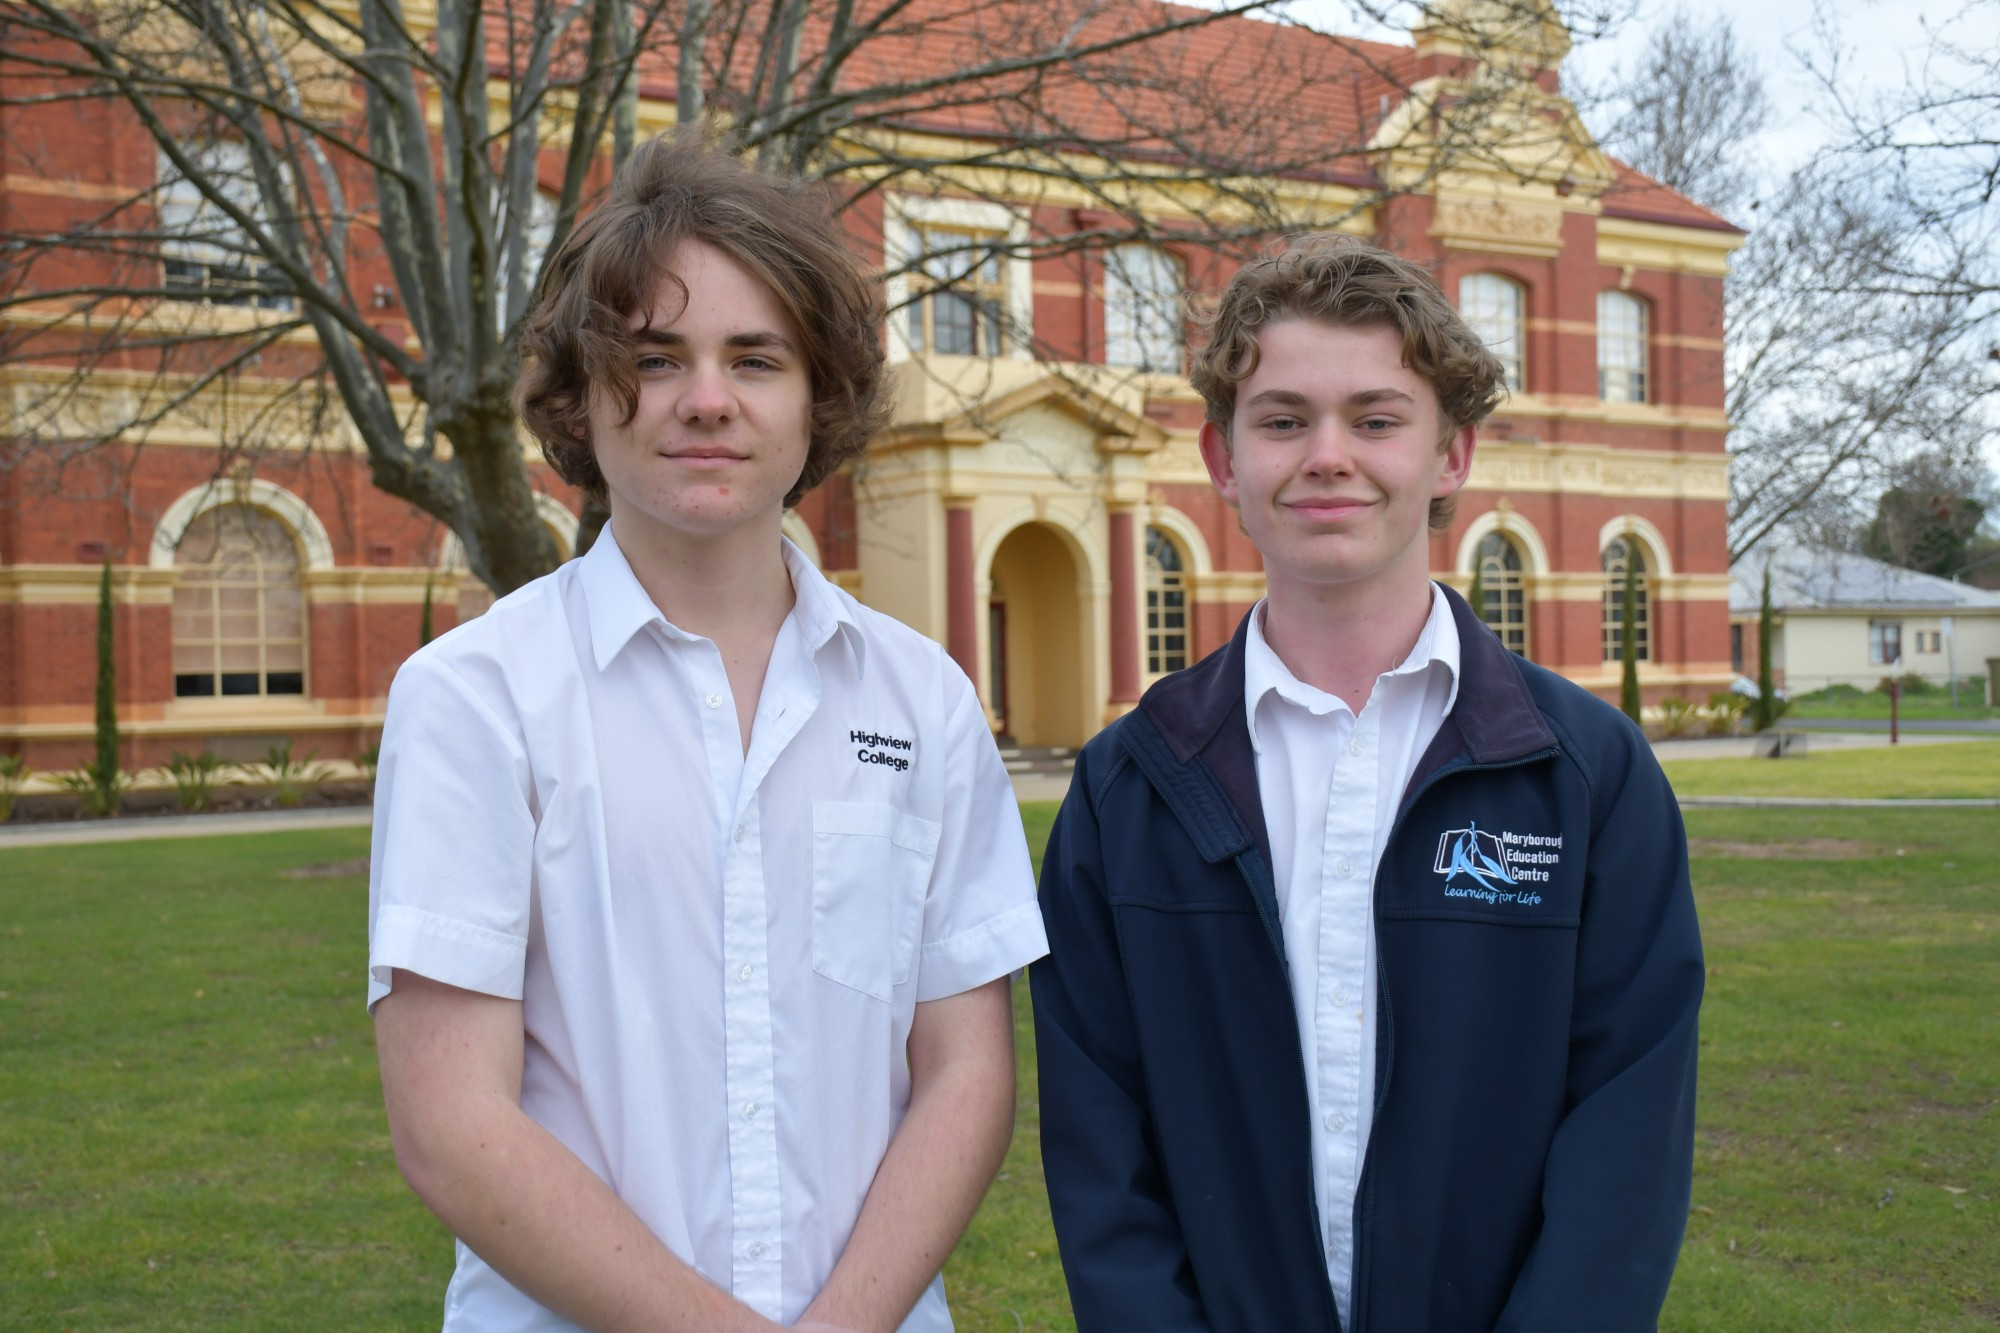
[1216, 456]
[1457, 464]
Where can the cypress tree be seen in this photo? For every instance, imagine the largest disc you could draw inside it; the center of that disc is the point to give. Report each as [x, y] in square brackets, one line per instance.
[1628, 634]
[424, 630]
[106, 772]
[1476, 594]
[1765, 712]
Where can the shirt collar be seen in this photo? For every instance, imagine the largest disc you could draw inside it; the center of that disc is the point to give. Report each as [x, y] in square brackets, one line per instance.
[1264, 672]
[619, 606]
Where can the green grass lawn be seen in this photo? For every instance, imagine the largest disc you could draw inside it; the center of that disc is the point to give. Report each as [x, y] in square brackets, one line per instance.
[191, 1134]
[1930, 705]
[1961, 768]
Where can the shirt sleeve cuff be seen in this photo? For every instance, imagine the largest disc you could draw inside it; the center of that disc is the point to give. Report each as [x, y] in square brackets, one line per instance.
[454, 952]
[974, 957]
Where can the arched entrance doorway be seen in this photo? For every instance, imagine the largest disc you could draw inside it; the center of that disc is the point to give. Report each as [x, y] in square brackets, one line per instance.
[1037, 682]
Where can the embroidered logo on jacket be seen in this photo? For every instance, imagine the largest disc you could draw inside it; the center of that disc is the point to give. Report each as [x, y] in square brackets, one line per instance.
[1494, 867]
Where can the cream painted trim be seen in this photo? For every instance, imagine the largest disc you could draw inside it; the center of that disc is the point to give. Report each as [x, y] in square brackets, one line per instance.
[1229, 585]
[366, 585]
[100, 191]
[1652, 673]
[1625, 242]
[801, 536]
[1506, 466]
[107, 400]
[1185, 533]
[245, 723]
[1509, 524]
[899, 248]
[76, 585]
[315, 549]
[1662, 561]
[1582, 328]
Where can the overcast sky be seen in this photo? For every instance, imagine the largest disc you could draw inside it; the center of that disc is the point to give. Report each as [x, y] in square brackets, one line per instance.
[1882, 39]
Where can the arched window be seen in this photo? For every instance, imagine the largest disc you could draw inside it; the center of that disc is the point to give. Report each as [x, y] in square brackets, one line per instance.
[1492, 305]
[1166, 605]
[239, 612]
[1142, 309]
[1503, 598]
[1621, 348]
[1623, 551]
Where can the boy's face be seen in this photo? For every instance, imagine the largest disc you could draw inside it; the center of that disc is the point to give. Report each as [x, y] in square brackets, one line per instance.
[725, 403]
[1333, 457]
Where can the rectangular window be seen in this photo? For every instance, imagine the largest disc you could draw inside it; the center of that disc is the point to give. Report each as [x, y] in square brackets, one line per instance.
[1929, 641]
[1621, 348]
[958, 293]
[1885, 643]
[205, 254]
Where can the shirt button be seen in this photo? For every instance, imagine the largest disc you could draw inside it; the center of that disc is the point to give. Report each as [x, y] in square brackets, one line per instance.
[713, 700]
[747, 972]
[1332, 1120]
[1336, 1122]
[1354, 745]
[738, 835]
[757, 1251]
[1344, 866]
[1340, 996]
[750, 1111]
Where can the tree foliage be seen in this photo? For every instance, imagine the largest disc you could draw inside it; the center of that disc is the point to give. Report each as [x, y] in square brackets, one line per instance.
[358, 194]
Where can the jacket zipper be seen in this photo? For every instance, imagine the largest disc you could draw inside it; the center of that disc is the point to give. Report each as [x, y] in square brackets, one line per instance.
[1357, 1301]
[1305, 1095]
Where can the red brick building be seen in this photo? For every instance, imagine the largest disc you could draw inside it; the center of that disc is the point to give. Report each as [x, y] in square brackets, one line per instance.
[1038, 504]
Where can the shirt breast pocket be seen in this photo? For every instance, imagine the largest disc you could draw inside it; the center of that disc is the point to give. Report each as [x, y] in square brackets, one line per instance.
[871, 866]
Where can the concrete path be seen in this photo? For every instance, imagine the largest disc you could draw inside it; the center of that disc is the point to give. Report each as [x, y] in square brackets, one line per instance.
[1027, 787]
[142, 828]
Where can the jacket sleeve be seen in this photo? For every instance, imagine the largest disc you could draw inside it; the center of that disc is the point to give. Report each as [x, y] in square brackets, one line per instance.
[1121, 1242]
[1615, 1187]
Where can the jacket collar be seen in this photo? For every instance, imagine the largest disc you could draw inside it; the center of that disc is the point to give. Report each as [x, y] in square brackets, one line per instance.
[1200, 714]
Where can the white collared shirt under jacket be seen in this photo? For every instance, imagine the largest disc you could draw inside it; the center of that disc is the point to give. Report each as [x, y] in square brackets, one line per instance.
[1330, 783]
[718, 953]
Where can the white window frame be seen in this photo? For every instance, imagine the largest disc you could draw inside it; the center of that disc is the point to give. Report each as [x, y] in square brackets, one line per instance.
[1882, 634]
[1143, 325]
[903, 218]
[1484, 300]
[1623, 346]
[181, 207]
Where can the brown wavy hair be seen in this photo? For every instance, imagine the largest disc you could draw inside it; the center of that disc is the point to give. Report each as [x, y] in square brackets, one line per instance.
[1345, 281]
[675, 189]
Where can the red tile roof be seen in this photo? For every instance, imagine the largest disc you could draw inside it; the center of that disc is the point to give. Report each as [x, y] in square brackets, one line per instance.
[1274, 100]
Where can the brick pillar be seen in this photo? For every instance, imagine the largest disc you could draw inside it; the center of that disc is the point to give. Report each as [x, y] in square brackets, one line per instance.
[961, 590]
[1124, 611]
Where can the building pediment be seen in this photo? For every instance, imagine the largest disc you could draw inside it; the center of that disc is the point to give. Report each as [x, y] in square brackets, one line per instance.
[972, 401]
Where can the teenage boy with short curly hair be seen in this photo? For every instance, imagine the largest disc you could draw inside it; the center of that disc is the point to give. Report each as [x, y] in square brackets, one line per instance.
[696, 883]
[1373, 972]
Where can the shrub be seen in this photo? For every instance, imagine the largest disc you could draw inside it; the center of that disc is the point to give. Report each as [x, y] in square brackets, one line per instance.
[1725, 711]
[291, 778]
[368, 761]
[1914, 684]
[99, 794]
[195, 777]
[1677, 716]
[13, 774]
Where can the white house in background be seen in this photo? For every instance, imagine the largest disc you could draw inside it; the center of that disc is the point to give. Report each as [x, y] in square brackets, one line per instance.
[1844, 619]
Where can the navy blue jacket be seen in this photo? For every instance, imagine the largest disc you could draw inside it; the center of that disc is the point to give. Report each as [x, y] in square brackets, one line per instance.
[1540, 971]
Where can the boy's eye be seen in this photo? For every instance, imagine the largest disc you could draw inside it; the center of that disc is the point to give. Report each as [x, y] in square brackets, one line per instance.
[653, 361]
[1282, 423]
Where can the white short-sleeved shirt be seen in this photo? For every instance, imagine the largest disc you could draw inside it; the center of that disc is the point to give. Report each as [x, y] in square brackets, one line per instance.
[718, 954]
[1330, 782]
